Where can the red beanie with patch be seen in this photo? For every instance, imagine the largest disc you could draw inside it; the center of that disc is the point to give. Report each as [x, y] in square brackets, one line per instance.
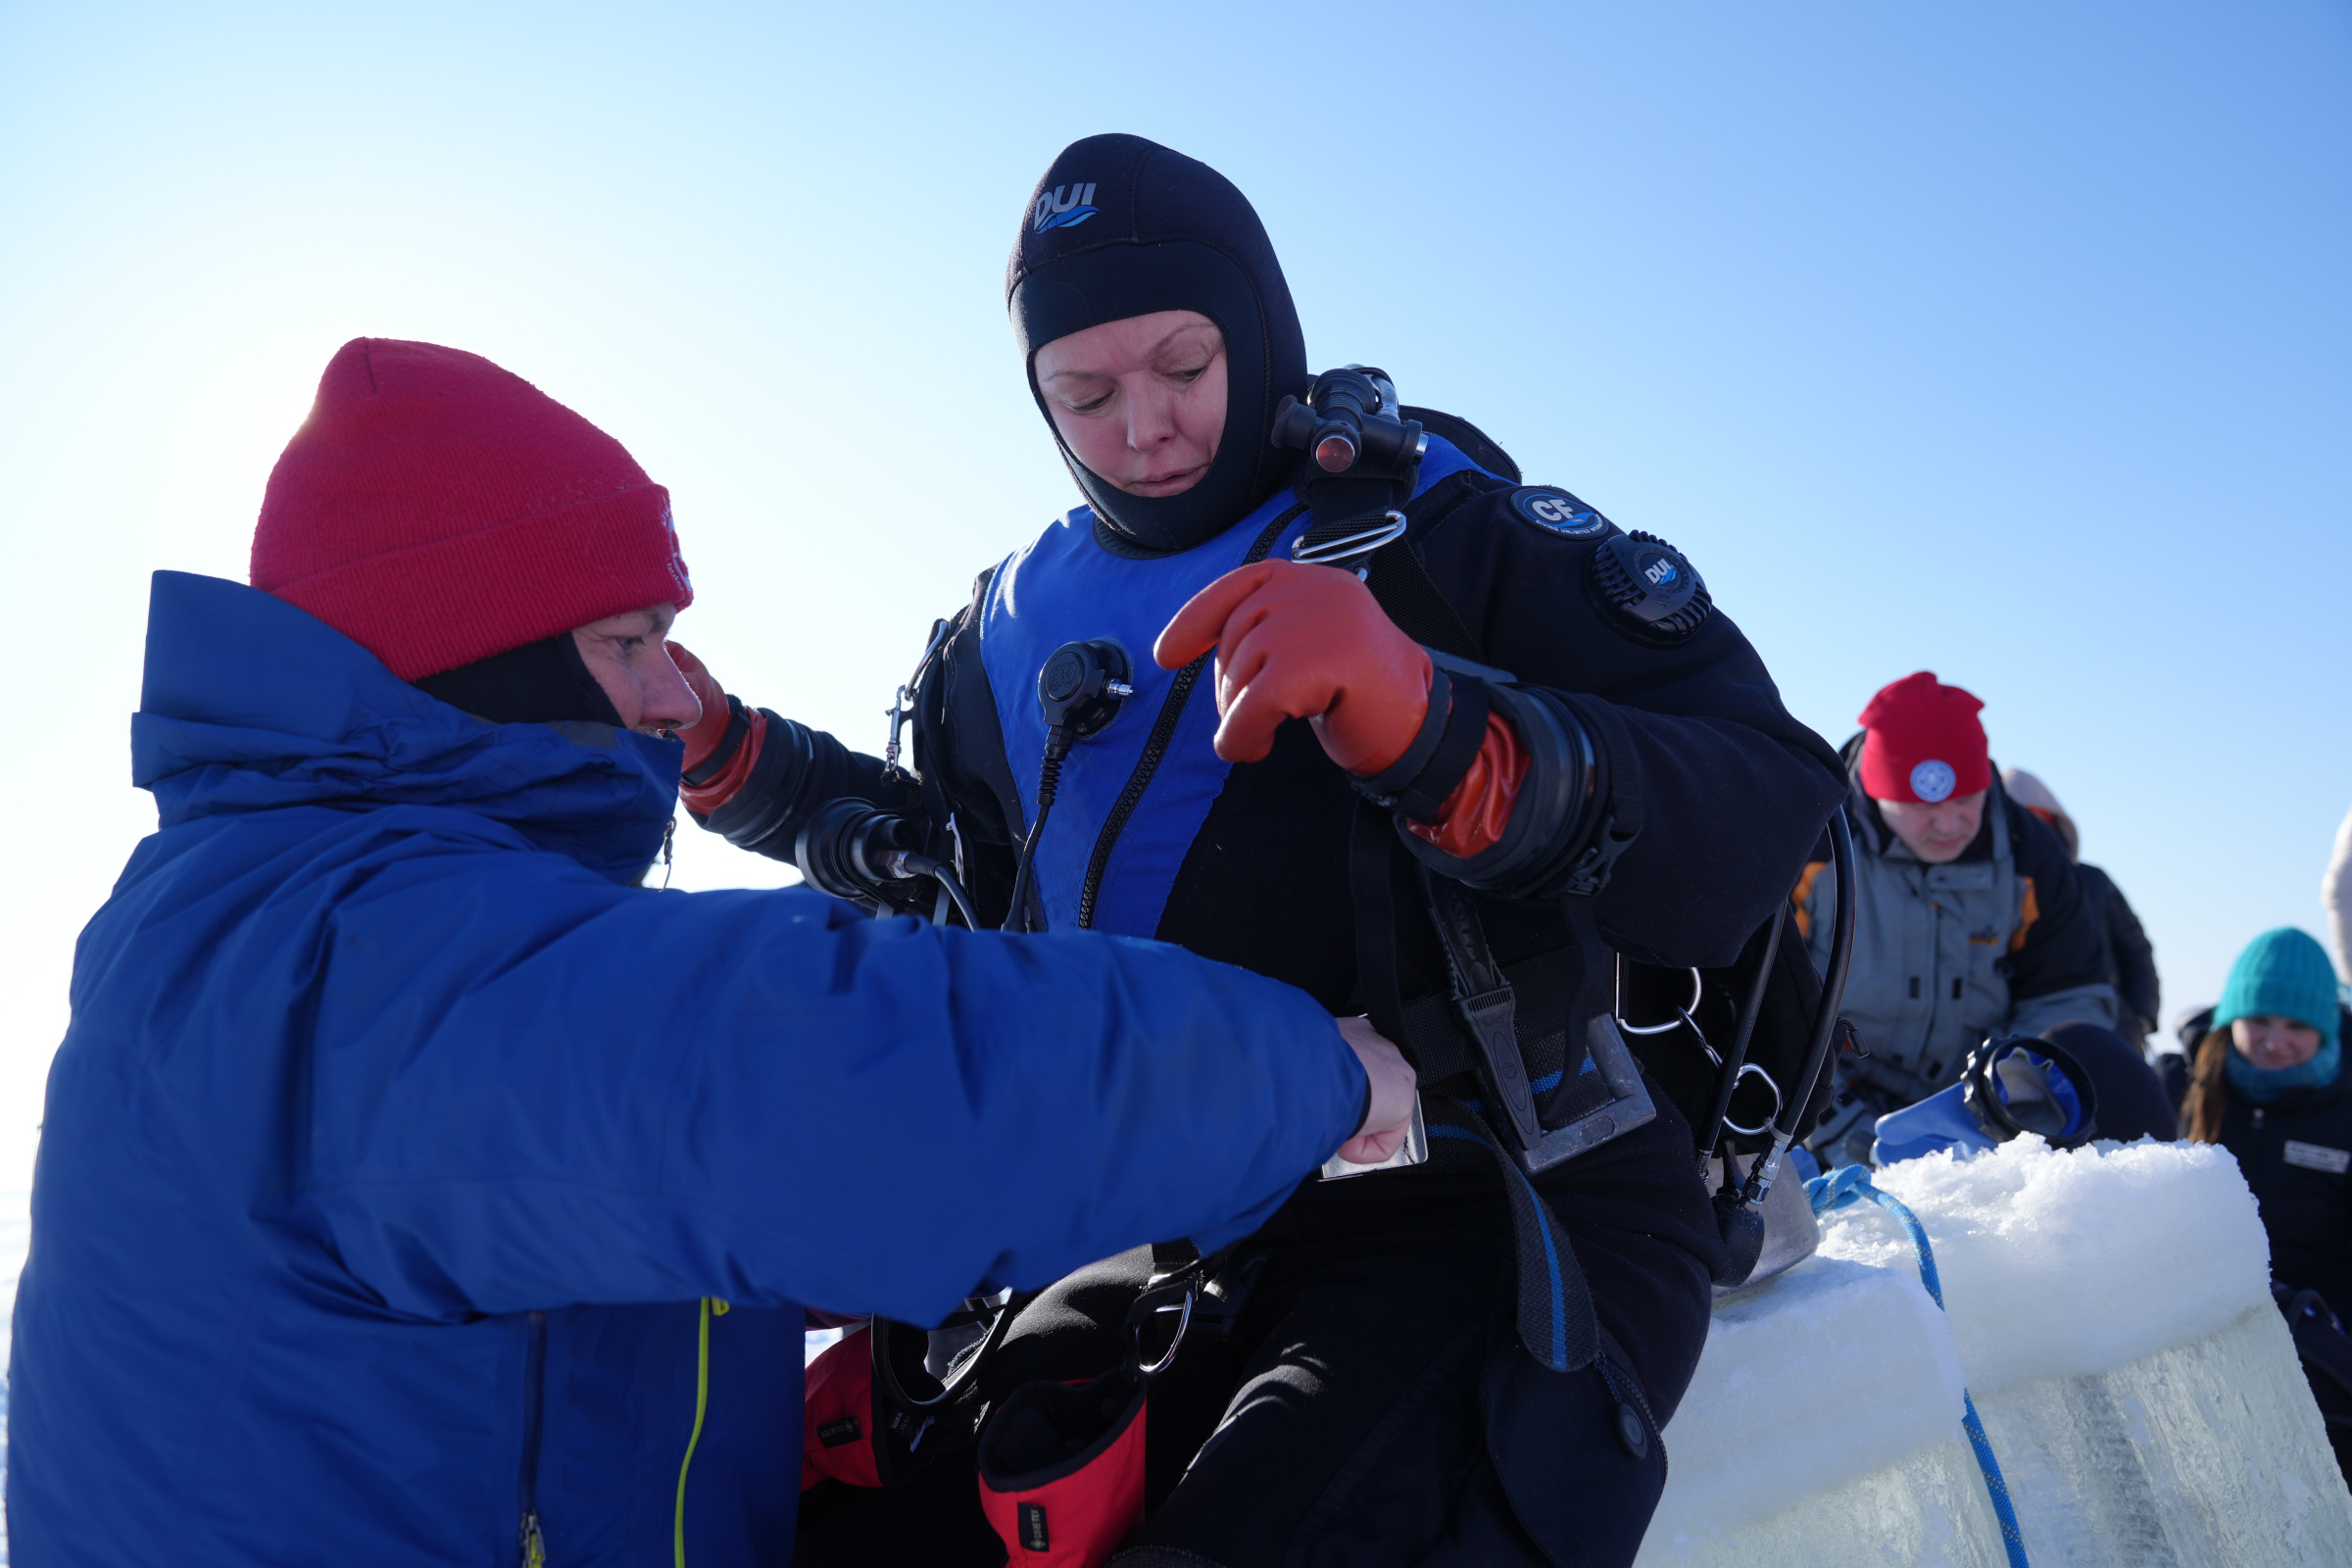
[437, 509]
[1924, 743]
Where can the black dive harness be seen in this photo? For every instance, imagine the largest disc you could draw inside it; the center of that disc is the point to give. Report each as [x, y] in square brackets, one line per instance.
[1360, 463]
[1363, 451]
[1362, 458]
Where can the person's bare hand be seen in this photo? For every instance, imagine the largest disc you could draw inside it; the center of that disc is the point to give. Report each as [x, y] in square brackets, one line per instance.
[1390, 1114]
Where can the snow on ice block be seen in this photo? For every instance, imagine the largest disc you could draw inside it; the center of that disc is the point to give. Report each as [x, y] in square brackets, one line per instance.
[1832, 1372]
[2061, 1264]
[2110, 1310]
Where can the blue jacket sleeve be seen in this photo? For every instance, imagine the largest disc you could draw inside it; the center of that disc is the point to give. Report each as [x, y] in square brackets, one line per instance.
[532, 1088]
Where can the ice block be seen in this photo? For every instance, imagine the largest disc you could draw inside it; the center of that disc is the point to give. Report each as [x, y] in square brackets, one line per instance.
[2110, 1313]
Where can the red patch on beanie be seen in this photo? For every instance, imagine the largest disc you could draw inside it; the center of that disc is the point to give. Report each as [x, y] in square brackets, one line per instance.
[1924, 743]
[437, 510]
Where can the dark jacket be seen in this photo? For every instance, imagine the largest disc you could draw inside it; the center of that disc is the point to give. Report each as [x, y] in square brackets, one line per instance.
[2297, 1154]
[1690, 731]
[406, 1168]
[2132, 956]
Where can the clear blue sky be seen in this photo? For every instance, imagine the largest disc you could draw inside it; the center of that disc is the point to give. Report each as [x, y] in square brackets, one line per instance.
[2010, 341]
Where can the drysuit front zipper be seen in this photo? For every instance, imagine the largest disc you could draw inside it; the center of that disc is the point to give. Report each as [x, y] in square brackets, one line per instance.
[534, 1410]
[1163, 731]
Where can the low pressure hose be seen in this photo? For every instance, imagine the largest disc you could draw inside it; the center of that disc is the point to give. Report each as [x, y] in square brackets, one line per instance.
[1825, 1021]
[907, 863]
[1737, 1056]
[1079, 691]
[1049, 781]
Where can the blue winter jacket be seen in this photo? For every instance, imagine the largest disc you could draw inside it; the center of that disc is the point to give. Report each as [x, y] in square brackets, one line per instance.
[407, 1169]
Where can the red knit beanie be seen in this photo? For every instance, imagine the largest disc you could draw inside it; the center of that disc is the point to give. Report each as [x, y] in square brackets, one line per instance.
[1924, 743]
[437, 510]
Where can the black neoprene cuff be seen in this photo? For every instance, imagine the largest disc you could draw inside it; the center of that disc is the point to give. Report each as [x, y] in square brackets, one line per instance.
[756, 816]
[1452, 732]
[1553, 816]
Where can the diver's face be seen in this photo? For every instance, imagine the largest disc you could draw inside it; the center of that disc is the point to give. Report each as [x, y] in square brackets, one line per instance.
[1939, 832]
[1139, 401]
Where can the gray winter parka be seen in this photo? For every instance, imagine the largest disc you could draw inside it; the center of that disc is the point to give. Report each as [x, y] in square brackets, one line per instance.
[2000, 941]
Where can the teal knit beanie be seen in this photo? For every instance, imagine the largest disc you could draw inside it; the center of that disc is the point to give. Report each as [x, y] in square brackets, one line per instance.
[2282, 974]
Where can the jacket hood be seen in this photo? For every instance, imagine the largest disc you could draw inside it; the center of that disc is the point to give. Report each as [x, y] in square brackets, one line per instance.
[251, 705]
[2029, 792]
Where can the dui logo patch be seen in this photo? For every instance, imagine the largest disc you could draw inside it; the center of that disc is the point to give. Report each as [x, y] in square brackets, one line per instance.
[1555, 511]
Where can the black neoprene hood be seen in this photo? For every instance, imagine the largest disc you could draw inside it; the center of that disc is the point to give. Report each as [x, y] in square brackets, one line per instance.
[546, 682]
[1122, 227]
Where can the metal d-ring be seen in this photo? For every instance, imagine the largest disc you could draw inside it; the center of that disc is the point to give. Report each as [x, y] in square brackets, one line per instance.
[1192, 1290]
[960, 1373]
[1342, 551]
[1756, 1132]
[1682, 1016]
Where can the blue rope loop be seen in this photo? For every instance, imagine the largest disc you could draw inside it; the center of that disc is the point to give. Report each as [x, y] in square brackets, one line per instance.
[1850, 1184]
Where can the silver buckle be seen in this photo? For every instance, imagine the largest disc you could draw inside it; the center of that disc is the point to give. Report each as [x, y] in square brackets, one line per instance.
[1629, 1105]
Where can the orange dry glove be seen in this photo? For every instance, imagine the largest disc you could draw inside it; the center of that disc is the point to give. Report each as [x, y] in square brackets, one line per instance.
[1303, 642]
[707, 734]
[1479, 808]
[1312, 643]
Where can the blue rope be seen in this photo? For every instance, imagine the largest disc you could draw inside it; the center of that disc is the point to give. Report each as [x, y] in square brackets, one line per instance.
[1850, 1184]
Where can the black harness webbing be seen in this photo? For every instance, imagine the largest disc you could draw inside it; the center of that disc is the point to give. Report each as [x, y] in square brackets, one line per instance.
[1476, 1031]
[1371, 890]
[1556, 1322]
[1413, 601]
[1487, 1002]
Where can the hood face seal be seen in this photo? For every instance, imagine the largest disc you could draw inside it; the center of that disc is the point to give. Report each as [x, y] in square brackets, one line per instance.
[1121, 227]
[546, 682]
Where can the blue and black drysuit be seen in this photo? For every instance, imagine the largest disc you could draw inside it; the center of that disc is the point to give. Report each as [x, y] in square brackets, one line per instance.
[412, 1182]
[1373, 1405]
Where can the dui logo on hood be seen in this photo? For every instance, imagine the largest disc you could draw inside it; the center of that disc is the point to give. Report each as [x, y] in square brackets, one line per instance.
[1061, 207]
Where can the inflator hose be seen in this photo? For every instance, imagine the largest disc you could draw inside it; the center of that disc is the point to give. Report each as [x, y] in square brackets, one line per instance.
[1825, 1021]
[1737, 1056]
